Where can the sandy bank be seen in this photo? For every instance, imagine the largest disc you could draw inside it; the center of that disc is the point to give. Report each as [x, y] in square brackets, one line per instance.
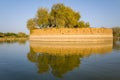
[72, 34]
[71, 37]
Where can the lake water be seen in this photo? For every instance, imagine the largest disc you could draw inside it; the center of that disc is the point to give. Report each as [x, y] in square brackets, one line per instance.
[60, 61]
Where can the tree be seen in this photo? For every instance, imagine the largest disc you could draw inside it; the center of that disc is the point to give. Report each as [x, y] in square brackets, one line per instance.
[60, 16]
[82, 24]
[57, 15]
[64, 16]
[21, 34]
[31, 24]
[10, 34]
[42, 17]
[44, 61]
[116, 31]
[1, 34]
[87, 24]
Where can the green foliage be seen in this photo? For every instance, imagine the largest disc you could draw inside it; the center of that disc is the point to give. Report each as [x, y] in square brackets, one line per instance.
[42, 17]
[64, 16]
[116, 31]
[60, 16]
[58, 64]
[82, 24]
[21, 34]
[10, 34]
[13, 35]
[1, 34]
[31, 24]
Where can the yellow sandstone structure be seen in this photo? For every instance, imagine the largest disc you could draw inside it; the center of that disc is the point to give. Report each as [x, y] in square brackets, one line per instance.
[71, 41]
[71, 34]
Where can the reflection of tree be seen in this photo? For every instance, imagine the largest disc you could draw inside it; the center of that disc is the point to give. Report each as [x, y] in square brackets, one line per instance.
[22, 41]
[10, 41]
[32, 55]
[59, 64]
[63, 64]
[116, 45]
[43, 63]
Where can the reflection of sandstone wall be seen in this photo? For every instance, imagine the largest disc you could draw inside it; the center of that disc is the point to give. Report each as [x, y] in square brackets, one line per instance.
[71, 48]
[71, 34]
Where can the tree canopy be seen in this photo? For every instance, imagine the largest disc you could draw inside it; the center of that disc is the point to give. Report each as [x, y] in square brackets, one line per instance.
[31, 24]
[42, 17]
[60, 16]
[13, 35]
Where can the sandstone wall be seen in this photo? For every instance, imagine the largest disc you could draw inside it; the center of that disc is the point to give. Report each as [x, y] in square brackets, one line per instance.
[71, 34]
[72, 31]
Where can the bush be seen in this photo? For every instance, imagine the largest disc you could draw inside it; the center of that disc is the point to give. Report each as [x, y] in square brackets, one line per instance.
[1, 34]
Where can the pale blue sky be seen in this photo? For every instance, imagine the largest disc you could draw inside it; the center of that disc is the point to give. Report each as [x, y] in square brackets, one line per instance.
[99, 13]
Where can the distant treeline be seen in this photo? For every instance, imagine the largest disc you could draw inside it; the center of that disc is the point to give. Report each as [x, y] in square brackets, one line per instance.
[116, 32]
[13, 35]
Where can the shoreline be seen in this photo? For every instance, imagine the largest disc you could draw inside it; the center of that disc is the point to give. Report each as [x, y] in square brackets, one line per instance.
[12, 39]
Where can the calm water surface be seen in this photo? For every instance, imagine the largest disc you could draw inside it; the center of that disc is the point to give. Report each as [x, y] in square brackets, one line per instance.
[59, 61]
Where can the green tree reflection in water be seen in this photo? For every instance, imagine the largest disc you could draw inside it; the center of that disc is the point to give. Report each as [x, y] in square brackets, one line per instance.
[60, 58]
[60, 64]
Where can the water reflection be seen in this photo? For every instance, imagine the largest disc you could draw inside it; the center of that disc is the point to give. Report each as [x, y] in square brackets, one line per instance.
[58, 64]
[116, 44]
[72, 48]
[62, 57]
[20, 41]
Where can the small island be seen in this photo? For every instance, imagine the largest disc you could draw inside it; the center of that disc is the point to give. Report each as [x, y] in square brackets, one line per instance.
[62, 23]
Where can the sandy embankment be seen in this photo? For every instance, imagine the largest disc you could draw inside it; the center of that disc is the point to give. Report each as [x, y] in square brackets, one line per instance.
[71, 37]
[68, 34]
[65, 41]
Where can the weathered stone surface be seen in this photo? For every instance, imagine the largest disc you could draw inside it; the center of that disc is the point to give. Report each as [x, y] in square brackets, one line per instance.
[72, 34]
